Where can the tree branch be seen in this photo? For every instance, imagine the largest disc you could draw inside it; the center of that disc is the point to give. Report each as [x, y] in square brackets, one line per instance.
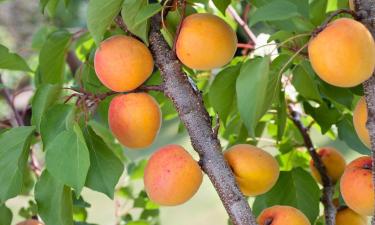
[328, 188]
[243, 24]
[189, 105]
[366, 14]
[8, 98]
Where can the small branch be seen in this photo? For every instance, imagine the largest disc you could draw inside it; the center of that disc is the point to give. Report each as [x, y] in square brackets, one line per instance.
[34, 164]
[79, 33]
[120, 23]
[330, 18]
[328, 188]
[8, 98]
[73, 62]
[242, 23]
[245, 46]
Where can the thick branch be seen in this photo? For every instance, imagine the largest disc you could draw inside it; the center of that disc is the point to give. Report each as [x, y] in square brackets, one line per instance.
[366, 13]
[328, 188]
[193, 114]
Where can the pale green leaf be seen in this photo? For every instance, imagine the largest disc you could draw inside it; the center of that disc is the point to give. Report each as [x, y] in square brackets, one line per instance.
[12, 61]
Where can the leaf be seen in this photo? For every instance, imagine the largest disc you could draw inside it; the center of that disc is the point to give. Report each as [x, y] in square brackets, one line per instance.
[45, 96]
[147, 12]
[14, 144]
[56, 120]
[6, 215]
[222, 5]
[68, 158]
[347, 133]
[129, 13]
[294, 188]
[305, 85]
[318, 11]
[105, 167]
[52, 57]
[251, 88]
[324, 115]
[281, 116]
[55, 205]
[273, 11]
[12, 61]
[97, 20]
[223, 90]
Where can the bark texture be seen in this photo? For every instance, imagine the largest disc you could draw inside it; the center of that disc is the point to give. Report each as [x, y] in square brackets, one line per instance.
[188, 101]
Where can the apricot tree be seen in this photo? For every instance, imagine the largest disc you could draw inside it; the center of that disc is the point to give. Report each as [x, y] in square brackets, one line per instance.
[256, 85]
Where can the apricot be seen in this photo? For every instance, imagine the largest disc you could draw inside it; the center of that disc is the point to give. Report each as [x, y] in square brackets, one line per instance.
[205, 42]
[123, 63]
[282, 215]
[333, 161]
[30, 222]
[134, 119]
[343, 54]
[359, 121]
[356, 186]
[346, 216]
[256, 170]
[172, 176]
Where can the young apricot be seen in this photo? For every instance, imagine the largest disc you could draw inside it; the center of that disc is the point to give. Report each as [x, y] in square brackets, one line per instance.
[123, 63]
[205, 42]
[346, 216]
[172, 176]
[359, 121]
[343, 54]
[30, 222]
[256, 170]
[356, 186]
[333, 161]
[282, 215]
[134, 119]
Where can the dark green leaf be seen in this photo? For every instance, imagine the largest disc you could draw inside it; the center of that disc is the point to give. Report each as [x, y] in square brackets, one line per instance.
[324, 115]
[5, 215]
[12, 61]
[129, 13]
[281, 116]
[100, 15]
[305, 85]
[147, 12]
[318, 11]
[14, 151]
[54, 201]
[222, 5]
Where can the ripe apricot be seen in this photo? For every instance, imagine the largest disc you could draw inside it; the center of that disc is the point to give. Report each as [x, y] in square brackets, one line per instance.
[343, 54]
[356, 186]
[30, 222]
[123, 63]
[205, 42]
[172, 176]
[359, 121]
[333, 161]
[282, 215]
[134, 119]
[346, 216]
[256, 170]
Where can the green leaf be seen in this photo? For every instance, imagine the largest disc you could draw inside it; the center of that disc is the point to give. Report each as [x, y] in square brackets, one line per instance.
[56, 120]
[281, 116]
[223, 90]
[251, 88]
[305, 85]
[97, 20]
[12, 61]
[105, 167]
[55, 205]
[294, 188]
[324, 115]
[318, 11]
[6, 215]
[347, 133]
[129, 13]
[68, 158]
[45, 96]
[14, 151]
[222, 5]
[147, 12]
[52, 57]
[274, 11]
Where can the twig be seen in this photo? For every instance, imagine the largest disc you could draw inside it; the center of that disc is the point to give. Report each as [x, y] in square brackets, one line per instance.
[120, 22]
[8, 98]
[73, 62]
[242, 23]
[34, 164]
[328, 188]
[330, 18]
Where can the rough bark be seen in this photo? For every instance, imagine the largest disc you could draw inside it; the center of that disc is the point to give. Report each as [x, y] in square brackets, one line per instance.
[189, 104]
[366, 14]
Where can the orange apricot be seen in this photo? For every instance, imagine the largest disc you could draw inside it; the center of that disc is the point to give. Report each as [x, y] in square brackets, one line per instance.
[205, 42]
[256, 170]
[172, 176]
[346, 216]
[134, 119]
[343, 54]
[356, 186]
[282, 215]
[359, 121]
[333, 161]
[123, 63]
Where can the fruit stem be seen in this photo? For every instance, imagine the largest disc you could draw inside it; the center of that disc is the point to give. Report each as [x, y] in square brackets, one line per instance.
[330, 18]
